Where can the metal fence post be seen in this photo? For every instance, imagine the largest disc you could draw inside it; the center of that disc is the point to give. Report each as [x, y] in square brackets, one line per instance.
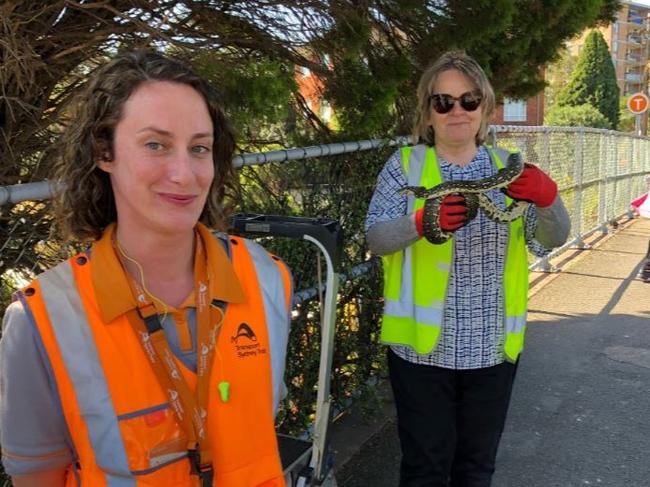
[492, 135]
[544, 264]
[630, 172]
[577, 173]
[612, 215]
[602, 185]
[547, 150]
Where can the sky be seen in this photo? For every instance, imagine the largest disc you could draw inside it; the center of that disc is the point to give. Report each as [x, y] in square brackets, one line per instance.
[642, 2]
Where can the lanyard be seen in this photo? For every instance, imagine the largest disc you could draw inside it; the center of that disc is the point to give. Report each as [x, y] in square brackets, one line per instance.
[190, 409]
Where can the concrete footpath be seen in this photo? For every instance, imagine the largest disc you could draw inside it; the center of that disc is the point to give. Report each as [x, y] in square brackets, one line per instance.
[580, 412]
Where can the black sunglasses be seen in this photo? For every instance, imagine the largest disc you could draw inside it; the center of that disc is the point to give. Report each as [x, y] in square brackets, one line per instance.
[444, 103]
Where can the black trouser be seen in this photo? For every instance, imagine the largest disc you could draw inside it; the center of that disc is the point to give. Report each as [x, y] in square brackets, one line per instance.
[449, 421]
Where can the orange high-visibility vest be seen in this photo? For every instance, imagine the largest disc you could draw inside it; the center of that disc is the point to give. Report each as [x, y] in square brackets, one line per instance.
[121, 428]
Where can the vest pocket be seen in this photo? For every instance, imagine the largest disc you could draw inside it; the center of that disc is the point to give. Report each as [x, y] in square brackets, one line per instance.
[152, 439]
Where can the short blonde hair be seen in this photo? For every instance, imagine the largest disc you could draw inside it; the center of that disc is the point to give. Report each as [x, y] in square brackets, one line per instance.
[422, 130]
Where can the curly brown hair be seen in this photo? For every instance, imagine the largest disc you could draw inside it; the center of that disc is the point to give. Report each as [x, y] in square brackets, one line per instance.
[85, 205]
[465, 64]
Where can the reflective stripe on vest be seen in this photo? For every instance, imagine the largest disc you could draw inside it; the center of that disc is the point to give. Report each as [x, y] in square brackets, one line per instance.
[72, 474]
[416, 278]
[47, 299]
[121, 425]
[277, 299]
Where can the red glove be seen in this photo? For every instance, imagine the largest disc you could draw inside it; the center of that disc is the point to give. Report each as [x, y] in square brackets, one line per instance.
[453, 214]
[533, 185]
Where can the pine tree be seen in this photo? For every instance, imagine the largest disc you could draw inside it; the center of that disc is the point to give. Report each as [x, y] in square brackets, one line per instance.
[593, 80]
[376, 51]
[557, 74]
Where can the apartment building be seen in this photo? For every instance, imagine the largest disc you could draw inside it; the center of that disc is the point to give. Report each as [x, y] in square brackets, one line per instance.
[628, 39]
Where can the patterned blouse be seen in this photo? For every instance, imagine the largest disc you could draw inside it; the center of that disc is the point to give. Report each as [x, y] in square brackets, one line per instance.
[472, 329]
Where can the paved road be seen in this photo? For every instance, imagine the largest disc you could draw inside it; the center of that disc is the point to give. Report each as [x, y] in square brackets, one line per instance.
[580, 413]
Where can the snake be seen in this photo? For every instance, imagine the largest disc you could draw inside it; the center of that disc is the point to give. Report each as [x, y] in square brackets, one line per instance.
[475, 197]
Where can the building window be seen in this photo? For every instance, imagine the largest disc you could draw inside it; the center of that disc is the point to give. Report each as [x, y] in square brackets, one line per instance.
[514, 110]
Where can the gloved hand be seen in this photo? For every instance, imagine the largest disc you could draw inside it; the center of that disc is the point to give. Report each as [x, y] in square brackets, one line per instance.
[453, 214]
[533, 185]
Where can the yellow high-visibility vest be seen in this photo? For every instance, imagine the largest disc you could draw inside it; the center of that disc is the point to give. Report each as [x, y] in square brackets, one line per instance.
[416, 278]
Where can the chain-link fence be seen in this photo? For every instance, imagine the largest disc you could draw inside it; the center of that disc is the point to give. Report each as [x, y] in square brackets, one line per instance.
[598, 173]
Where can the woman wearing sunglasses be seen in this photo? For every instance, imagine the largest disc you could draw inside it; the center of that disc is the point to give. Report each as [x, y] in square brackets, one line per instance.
[454, 312]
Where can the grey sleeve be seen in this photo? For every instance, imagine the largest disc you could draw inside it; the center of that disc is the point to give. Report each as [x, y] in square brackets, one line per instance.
[391, 236]
[553, 225]
[32, 428]
[388, 226]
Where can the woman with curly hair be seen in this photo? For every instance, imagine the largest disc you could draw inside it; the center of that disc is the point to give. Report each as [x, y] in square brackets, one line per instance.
[156, 356]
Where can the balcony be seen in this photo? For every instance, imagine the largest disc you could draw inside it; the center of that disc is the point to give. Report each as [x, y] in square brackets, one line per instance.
[635, 41]
[634, 26]
[634, 61]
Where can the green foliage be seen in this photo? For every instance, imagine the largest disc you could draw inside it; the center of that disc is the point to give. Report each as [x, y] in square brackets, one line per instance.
[557, 75]
[627, 120]
[387, 44]
[7, 288]
[593, 81]
[515, 40]
[364, 98]
[376, 69]
[584, 115]
[257, 94]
